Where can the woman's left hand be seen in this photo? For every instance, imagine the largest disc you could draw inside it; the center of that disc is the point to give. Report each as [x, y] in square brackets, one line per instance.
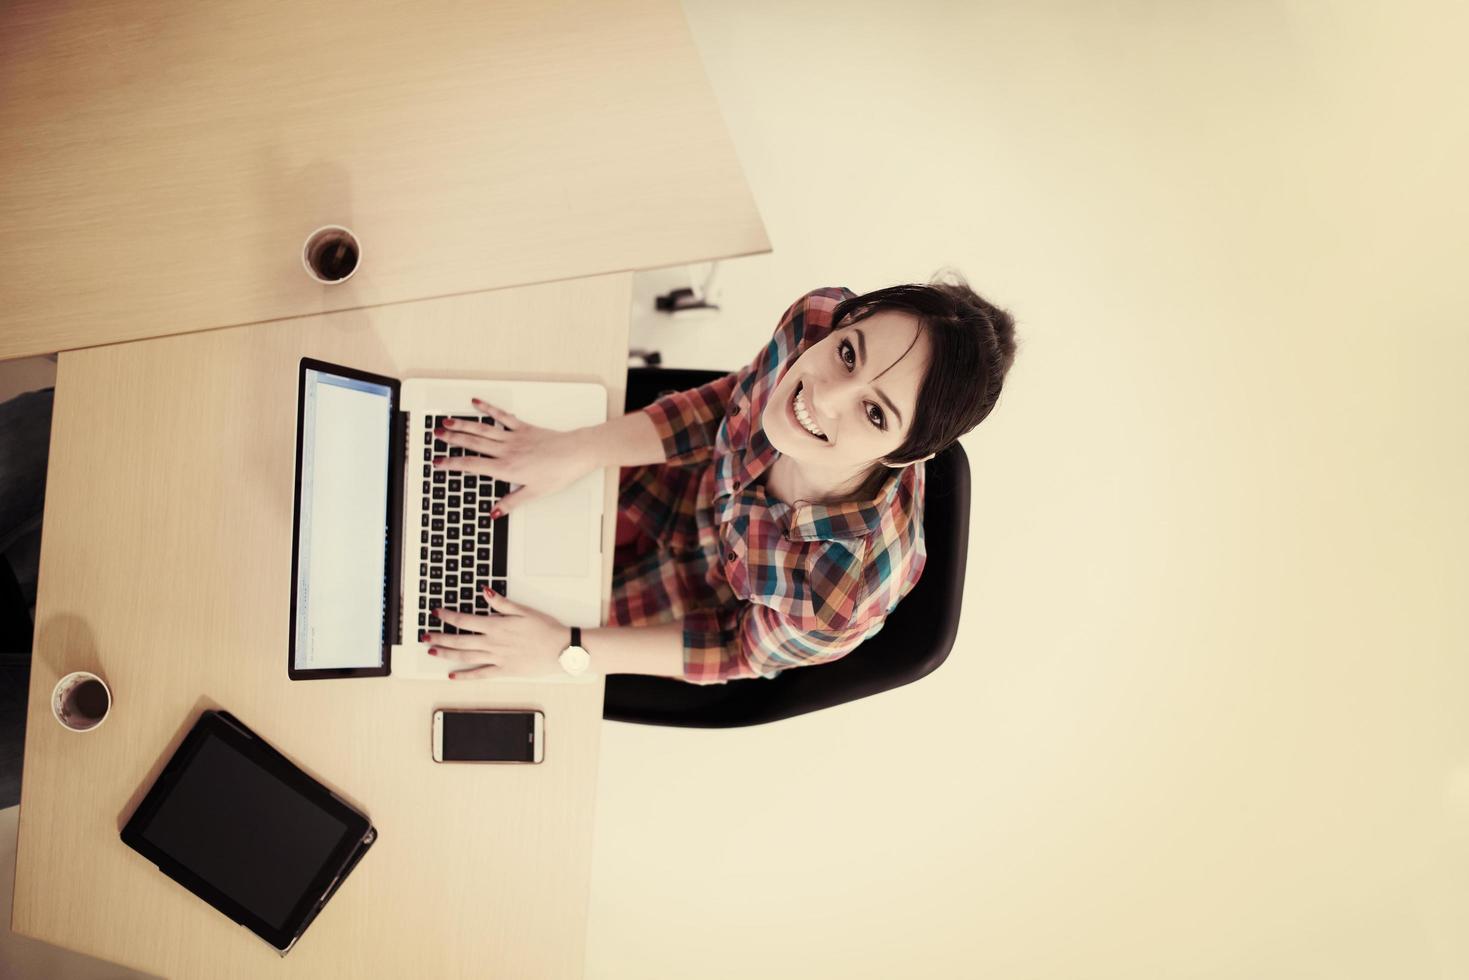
[514, 642]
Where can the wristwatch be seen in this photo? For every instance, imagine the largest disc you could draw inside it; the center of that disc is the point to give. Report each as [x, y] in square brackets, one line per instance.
[574, 659]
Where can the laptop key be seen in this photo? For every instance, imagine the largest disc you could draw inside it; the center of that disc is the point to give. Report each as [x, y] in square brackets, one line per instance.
[438, 524]
[466, 595]
[498, 586]
[481, 604]
[422, 599]
[438, 508]
[482, 570]
[454, 483]
[483, 554]
[440, 476]
[501, 488]
[436, 556]
[439, 493]
[484, 522]
[424, 521]
[423, 619]
[454, 502]
[502, 547]
[453, 548]
[453, 516]
[466, 577]
[423, 537]
[484, 537]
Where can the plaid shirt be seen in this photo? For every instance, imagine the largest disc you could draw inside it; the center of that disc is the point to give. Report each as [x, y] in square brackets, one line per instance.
[761, 586]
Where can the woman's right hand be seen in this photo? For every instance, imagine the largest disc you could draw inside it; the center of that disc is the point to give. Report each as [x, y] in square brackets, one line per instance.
[540, 461]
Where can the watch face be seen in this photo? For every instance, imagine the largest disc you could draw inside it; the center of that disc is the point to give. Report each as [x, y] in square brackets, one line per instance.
[574, 660]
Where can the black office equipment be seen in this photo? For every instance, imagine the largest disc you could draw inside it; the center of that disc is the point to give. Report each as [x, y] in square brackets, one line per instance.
[240, 826]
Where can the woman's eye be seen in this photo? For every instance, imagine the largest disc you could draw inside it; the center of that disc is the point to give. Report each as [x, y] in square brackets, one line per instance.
[845, 348]
[875, 416]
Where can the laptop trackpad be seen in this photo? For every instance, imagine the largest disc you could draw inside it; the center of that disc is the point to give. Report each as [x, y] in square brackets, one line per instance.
[556, 534]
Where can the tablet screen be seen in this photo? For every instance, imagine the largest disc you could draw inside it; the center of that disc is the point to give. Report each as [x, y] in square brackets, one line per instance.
[342, 513]
[244, 831]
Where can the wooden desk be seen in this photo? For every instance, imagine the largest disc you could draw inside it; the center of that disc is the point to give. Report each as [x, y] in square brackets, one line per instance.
[164, 161]
[165, 568]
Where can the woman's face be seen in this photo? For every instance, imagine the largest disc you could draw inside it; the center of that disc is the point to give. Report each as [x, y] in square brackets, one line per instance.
[857, 389]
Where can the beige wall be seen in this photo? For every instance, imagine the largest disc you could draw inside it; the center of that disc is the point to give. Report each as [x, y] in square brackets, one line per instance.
[1208, 715]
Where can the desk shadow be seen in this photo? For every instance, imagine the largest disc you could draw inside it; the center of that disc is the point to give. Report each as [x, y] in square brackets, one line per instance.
[63, 643]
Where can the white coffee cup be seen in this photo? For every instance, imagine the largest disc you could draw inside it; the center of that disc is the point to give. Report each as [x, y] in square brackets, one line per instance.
[328, 251]
[77, 709]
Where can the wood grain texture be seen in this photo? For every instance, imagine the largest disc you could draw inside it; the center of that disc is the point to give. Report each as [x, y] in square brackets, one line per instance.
[165, 568]
[165, 161]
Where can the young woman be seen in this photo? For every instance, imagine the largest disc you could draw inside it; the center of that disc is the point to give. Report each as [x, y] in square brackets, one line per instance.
[770, 519]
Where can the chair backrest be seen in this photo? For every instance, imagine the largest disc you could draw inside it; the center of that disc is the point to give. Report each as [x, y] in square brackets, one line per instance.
[915, 639]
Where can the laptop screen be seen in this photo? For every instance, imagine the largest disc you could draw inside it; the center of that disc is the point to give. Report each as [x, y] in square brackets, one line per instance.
[341, 592]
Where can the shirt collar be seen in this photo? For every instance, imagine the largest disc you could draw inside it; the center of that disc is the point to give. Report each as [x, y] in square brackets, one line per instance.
[850, 519]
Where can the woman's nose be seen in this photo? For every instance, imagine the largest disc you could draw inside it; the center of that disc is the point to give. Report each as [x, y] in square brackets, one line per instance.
[829, 395]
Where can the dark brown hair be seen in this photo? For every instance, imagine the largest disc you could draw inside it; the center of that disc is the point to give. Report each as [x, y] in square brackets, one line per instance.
[972, 345]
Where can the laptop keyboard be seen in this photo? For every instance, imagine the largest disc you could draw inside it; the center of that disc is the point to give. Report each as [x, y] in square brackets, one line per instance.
[460, 550]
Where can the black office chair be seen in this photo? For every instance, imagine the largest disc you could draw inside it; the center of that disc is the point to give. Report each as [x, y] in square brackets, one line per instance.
[915, 639]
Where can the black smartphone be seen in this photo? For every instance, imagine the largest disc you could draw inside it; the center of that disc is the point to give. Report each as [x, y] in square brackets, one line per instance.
[489, 735]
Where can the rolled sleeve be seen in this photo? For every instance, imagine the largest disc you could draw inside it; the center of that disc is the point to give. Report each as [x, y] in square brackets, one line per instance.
[688, 421]
[759, 641]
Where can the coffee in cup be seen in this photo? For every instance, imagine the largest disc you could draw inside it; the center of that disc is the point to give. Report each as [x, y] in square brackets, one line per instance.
[331, 254]
[81, 701]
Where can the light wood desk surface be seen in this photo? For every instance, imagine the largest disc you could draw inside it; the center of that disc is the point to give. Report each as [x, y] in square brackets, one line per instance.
[165, 568]
[165, 160]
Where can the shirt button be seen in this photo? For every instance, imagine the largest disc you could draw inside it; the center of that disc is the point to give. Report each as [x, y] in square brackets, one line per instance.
[735, 410]
[737, 486]
[729, 556]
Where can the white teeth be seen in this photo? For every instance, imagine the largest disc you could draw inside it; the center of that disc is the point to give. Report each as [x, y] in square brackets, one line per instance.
[804, 416]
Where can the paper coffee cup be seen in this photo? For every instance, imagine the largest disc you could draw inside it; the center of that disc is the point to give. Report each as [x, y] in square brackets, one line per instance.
[331, 255]
[81, 701]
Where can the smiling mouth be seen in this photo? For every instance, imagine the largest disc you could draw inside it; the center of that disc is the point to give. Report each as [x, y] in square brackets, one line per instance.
[802, 415]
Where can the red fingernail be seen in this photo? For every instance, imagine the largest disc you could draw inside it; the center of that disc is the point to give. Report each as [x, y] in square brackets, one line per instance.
[439, 431]
[496, 514]
[433, 652]
[448, 423]
[423, 638]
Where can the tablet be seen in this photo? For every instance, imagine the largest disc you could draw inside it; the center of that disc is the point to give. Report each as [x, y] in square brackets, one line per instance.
[240, 826]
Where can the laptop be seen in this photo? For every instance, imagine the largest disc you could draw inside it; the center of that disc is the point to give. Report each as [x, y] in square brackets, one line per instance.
[382, 537]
